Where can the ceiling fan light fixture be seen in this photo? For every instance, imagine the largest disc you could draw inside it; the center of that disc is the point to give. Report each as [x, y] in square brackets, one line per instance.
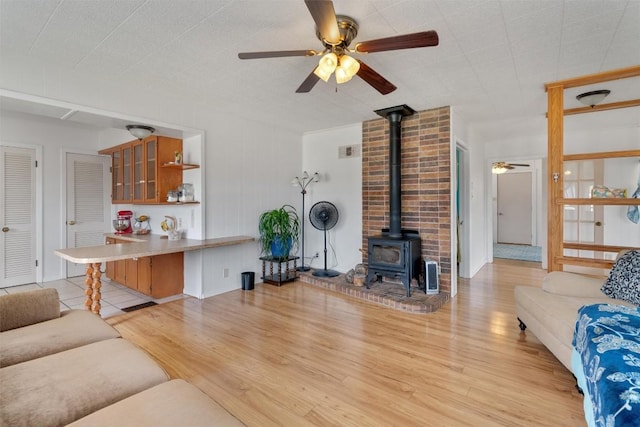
[140, 131]
[350, 65]
[329, 62]
[322, 73]
[593, 97]
[499, 168]
[341, 75]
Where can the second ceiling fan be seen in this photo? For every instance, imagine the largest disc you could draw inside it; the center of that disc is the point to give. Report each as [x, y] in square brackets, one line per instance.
[336, 32]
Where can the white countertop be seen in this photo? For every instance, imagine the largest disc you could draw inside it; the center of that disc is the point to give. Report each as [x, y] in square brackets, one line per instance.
[143, 245]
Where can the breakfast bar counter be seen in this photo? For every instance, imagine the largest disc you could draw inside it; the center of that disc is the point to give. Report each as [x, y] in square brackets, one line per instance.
[140, 246]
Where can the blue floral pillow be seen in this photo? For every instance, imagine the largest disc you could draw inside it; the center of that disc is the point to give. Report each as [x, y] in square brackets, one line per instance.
[623, 282]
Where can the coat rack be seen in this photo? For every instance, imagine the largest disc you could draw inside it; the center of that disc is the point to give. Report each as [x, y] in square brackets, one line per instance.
[303, 182]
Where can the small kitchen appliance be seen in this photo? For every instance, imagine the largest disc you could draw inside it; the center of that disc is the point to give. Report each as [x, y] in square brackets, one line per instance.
[141, 225]
[122, 223]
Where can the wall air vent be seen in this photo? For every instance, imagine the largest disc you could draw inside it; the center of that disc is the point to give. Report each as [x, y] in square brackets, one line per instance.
[349, 151]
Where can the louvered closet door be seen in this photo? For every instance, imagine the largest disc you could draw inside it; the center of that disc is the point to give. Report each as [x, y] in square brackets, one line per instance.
[17, 216]
[88, 191]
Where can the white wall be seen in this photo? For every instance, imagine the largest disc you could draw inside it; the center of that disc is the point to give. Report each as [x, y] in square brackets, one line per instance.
[340, 184]
[249, 170]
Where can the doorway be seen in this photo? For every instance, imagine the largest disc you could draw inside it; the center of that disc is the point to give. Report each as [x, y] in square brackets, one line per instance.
[462, 200]
[88, 202]
[20, 222]
[514, 208]
[517, 208]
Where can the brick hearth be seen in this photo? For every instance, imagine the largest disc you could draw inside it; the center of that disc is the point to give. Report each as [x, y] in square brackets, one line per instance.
[390, 295]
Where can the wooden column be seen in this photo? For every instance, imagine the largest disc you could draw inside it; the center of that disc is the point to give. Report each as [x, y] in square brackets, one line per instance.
[92, 292]
[555, 220]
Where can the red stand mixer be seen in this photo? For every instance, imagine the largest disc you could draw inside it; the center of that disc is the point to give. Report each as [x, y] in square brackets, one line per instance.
[123, 222]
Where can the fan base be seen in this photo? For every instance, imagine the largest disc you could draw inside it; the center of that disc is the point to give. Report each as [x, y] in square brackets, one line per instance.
[303, 268]
[325, 273]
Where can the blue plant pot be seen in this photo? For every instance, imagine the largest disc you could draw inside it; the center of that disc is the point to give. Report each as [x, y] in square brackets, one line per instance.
[281, 248]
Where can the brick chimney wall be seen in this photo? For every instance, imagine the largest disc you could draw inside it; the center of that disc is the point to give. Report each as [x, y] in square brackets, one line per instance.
[426, 182]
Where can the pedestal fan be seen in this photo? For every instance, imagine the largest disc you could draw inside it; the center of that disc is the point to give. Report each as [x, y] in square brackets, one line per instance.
[324, 216]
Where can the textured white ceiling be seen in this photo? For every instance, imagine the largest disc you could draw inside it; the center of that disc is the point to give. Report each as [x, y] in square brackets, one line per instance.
[491, 65]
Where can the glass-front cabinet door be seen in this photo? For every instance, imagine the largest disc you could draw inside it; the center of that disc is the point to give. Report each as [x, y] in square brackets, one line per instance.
[126, 174]
[151, 146]
[116, 176]
[138, 172]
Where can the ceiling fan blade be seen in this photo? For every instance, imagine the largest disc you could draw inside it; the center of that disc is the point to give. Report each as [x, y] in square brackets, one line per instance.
[326, 21]
[407, 41]
[308, 83]
[276, 54]
[518, 164]
[378, 82]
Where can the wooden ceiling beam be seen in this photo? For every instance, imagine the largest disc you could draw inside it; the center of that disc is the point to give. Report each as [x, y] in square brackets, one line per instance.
[589, 79]
[602, 107]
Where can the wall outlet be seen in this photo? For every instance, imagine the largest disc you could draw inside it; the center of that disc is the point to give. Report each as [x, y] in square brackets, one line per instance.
[179, 222]
[317, 255]
[225, 273]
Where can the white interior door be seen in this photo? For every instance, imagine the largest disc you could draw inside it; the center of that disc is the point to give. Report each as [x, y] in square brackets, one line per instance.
[514, 208]
[18, 216]
[88, 201]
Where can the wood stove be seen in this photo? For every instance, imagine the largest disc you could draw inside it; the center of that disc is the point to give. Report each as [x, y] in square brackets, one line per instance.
[396, 252]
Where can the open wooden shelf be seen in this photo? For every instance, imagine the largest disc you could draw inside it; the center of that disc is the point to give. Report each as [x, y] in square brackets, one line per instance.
[183, 166]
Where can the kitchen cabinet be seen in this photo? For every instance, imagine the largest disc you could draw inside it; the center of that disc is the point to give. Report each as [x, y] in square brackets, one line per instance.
[159, 150]
[120, 271]
[121, 182]
[157, 276]
[161, 276]
[144, 170]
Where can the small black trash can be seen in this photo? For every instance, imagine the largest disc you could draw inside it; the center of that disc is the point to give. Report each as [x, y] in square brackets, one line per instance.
[248, 279]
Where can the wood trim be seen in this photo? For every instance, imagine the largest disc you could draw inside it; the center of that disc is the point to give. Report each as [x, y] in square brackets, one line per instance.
[555, 123]
[620, 73]
[596, 248]
[555, 197]
[585, 262]
[604, 201]
[601, 155]
[603, 107]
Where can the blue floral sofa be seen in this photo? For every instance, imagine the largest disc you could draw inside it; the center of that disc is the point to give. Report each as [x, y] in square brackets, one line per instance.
[606, 362]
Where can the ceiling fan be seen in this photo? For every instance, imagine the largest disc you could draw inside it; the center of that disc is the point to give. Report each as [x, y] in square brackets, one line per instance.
[502, 167]
[336, 32]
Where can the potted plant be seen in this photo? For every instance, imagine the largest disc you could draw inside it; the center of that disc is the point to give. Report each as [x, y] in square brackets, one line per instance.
[279, 230]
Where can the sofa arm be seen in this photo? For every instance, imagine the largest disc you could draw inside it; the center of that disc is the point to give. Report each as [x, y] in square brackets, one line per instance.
[27, 308]
[573, 284]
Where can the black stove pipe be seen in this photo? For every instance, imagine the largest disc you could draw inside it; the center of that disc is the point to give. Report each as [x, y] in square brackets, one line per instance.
[395, 115]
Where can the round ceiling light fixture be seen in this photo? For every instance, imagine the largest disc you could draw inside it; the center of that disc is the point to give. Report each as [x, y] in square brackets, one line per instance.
[140, 131]
[594, 97]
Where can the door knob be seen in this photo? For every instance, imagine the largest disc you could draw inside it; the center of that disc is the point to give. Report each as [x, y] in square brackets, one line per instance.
[598, 223]
[499, 213]
[71, 223]
[5, 229]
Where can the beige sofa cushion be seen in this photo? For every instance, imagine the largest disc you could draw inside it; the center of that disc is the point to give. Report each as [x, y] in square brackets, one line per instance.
[74, 328]
[27, 308]
[573, 284]
[174, 403]
[63, 387]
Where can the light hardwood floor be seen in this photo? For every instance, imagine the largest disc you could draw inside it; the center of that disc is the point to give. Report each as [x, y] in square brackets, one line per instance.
[297, 355]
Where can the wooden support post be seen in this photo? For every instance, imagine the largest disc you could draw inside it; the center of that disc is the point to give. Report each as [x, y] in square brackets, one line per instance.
[555, 127]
